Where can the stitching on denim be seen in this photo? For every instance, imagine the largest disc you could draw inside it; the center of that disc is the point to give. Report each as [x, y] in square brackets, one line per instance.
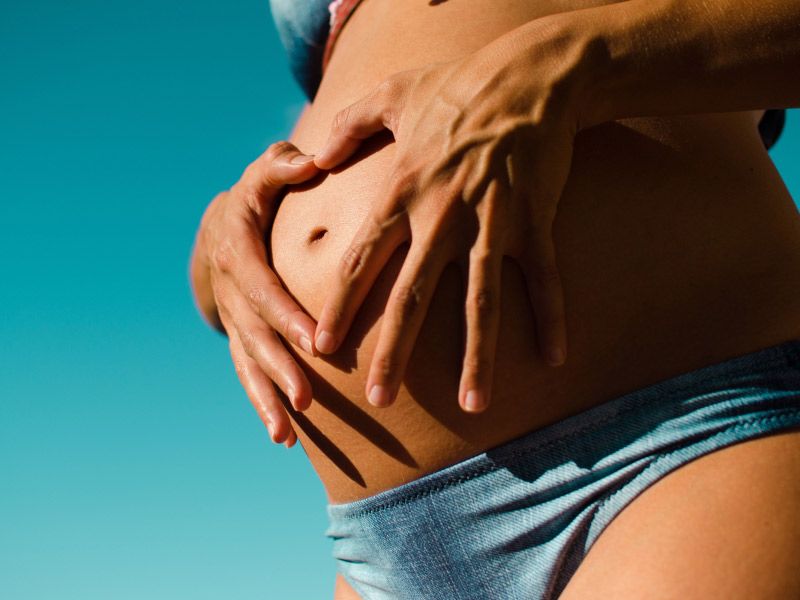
[482, 470]
[783, 416]
[636, 404]
[478, 471]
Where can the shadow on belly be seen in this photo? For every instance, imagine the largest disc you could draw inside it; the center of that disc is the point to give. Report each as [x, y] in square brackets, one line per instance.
[426, 423]
[655, 229]
[353, 436]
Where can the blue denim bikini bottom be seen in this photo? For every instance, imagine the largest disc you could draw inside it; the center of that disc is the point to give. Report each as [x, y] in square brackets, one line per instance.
[517, 520]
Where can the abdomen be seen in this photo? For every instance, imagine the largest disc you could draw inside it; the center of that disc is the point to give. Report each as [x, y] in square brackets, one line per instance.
[677, 243]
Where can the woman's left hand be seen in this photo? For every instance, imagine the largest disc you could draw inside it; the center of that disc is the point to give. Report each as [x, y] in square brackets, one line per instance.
[484, 145]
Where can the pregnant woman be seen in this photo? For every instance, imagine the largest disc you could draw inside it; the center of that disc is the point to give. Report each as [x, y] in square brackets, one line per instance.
[493, 179]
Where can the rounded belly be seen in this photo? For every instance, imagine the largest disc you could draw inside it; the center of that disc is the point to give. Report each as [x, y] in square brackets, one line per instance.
[677, 243]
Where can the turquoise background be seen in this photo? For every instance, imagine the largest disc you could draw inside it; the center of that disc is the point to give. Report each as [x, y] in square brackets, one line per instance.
[131, 462]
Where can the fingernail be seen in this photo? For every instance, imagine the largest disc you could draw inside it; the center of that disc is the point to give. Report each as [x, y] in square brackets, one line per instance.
[321, 154]
[325, 343]
[474, 401]
[305, 344]
[556, 356]
[302, 159]
[271, 429]
[379, 396]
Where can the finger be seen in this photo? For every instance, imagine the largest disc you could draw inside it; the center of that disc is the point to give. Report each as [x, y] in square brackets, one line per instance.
[261, 392]
[546, 294]
[292, 439]
[280, 164]
[261, 343]
[358, 121]
[376, 240]
[405, 312]
[266, 295]
[244, 256]
[483, 305]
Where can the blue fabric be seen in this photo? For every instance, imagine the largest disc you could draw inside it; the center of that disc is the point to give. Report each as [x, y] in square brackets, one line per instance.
[515, 522]
[303, 27]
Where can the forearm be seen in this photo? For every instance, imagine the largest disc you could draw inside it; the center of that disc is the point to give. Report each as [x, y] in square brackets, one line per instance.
[662, 57]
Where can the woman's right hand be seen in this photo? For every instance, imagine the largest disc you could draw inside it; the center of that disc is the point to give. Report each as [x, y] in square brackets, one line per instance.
[239, 294]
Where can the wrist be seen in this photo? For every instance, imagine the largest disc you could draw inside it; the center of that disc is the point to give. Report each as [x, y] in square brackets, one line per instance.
[570, 53]
[631, 63]
[671, 57]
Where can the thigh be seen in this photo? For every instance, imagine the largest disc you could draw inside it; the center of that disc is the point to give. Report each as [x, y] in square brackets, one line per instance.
[722, 526]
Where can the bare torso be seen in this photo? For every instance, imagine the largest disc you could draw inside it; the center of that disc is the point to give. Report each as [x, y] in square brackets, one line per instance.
[677, 242]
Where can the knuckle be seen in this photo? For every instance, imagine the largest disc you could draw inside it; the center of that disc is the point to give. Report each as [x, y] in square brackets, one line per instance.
[388, 93]
[385, 366]
[256, 296]
[353, 261]
[402, 182]
[275, 150]
[391, 116]
[387, 88]
[282, 322]
[249, 342]
[380, 222]
[224, 255]
[482, 301]
[408, 299]
[341, 120]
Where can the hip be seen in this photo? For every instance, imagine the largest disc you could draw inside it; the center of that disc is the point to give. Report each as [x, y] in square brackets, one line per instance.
[519, 520]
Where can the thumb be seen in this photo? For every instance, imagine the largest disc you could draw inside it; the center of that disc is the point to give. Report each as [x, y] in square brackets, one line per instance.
[282, 163]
